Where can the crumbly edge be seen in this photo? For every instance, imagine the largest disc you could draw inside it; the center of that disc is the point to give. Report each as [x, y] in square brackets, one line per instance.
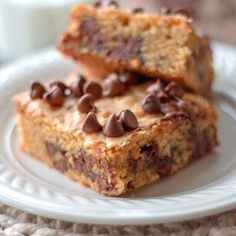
[182, 55]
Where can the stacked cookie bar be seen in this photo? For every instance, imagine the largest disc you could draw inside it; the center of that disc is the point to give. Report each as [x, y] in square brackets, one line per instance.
[167, 46]
[139, 117]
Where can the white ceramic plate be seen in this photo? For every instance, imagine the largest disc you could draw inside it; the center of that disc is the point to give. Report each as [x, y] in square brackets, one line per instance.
[206, 187]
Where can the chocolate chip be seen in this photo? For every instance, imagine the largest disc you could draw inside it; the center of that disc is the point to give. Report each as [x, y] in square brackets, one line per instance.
[166, 11]
[37, 90]
[106, 3]
[128, 120]
[86, 103]
[77, 86]
[179, 115]
[58, 84]
[93, 88]
[129, 78]
[138, 10]
[113, 86]
[112, 4]
[151, 104]
[113, 127]
[55, 97]
[91, 124]
[156, 87]
[174, 90]
[97, 4]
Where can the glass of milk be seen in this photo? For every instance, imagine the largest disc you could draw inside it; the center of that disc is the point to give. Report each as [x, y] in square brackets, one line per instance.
[27, 25]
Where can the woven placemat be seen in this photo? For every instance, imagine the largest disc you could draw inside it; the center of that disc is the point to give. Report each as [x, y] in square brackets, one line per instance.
[14, 222]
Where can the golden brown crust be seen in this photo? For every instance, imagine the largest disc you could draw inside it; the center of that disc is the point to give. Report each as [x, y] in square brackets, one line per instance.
[164, 46]
[69, 119]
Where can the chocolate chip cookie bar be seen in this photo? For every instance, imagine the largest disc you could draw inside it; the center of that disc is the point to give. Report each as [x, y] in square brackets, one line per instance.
[116, 136]
[106, 39]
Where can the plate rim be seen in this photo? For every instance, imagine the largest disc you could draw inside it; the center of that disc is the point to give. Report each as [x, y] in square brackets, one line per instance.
[136, 217]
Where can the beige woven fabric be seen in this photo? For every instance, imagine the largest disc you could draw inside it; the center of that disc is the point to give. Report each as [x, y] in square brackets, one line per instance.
[14, 222]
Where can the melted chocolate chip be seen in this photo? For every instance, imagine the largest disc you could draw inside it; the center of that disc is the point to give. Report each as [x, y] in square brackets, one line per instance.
[113, 127]
[154, 161]
[150, 154]
[129, 78]
[77, 86]
[91, 124]
[174, 90]
[55, 97]
[86, 103]
[113, 86]
[128, 120]
[151, 104]
[137, 10]
[93, 88]
[84, 163]
[37, 90]
[127, 48]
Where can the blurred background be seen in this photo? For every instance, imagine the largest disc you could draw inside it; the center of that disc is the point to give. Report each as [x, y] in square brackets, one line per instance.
[30, 25]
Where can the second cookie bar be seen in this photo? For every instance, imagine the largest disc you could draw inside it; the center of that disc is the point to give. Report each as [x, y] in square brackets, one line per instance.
[107, 39]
